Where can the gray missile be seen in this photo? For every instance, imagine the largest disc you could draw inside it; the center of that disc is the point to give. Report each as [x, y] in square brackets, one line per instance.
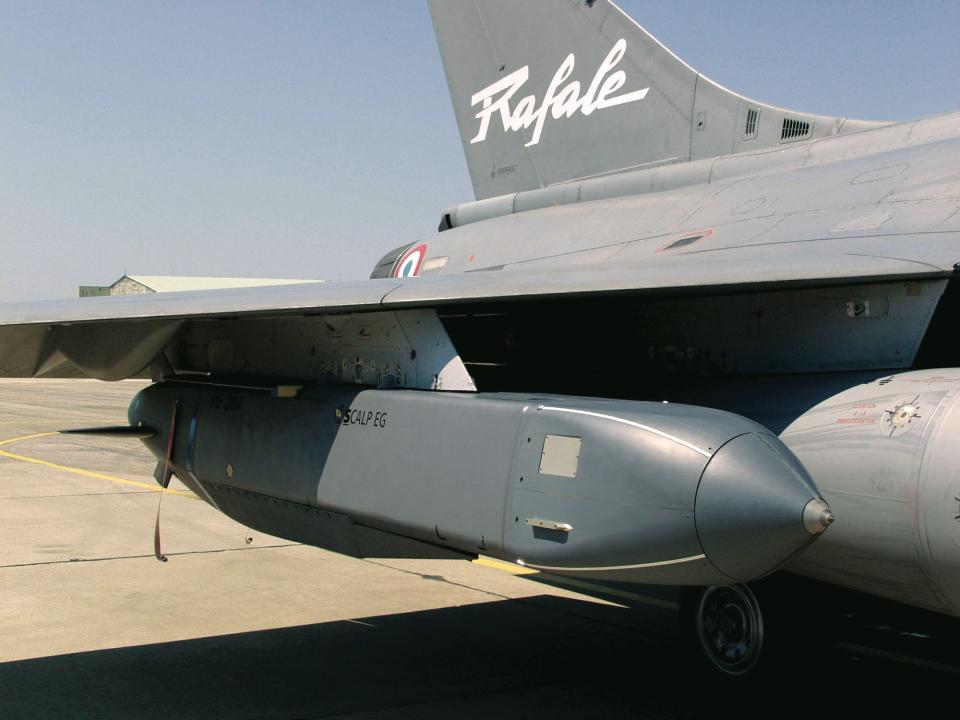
[611, 490]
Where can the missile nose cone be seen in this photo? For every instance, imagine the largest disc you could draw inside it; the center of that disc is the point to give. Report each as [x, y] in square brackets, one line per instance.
[817, 517]
[756, 507]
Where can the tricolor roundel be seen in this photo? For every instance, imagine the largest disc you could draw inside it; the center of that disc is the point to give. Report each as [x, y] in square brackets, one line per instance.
[409, 263]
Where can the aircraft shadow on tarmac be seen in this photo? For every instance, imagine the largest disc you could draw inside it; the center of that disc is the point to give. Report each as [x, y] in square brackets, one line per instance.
[540, 656]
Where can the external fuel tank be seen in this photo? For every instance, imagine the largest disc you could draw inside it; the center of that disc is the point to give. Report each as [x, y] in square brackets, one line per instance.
[886, 455]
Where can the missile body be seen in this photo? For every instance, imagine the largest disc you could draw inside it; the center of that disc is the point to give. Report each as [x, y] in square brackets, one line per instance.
[611, 490]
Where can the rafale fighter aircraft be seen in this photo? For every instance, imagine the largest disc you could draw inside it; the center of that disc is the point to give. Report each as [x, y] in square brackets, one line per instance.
[677, 331]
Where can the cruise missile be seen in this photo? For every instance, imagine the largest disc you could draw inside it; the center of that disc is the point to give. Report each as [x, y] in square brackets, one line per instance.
[636, 492]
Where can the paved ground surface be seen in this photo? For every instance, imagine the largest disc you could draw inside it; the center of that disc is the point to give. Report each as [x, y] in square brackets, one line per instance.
[242, 625]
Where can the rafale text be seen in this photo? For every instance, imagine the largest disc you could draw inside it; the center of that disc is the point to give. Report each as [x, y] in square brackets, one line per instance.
[558, 102]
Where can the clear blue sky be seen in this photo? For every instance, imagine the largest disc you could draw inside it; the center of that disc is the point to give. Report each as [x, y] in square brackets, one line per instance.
[304, 139]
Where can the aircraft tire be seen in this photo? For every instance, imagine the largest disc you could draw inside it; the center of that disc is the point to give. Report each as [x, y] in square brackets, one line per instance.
[724, 629]
[748, 632]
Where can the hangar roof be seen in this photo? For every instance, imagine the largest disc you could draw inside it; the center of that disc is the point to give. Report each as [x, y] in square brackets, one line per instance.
[176, 283]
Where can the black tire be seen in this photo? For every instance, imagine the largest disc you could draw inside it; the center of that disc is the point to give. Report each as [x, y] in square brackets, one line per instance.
[799, 623]
[725, 630]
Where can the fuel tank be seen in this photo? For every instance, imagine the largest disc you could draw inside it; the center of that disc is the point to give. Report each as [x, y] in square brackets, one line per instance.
[614, 490]
[886, 455]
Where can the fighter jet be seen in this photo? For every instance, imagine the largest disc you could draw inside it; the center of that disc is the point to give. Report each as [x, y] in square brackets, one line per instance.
[676, 333]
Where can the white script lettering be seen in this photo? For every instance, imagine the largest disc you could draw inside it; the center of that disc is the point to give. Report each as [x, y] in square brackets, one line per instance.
[557, 102]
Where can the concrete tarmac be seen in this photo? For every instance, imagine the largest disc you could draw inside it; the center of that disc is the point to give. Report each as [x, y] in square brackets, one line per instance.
[242, 625]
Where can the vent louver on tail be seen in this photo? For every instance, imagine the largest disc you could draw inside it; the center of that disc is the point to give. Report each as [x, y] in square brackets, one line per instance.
[753, 124]
[794, 129]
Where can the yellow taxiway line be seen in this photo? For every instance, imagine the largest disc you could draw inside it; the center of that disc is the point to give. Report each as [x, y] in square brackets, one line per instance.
[25, 437]
[81, 471]
[501, 565]
[576, 584]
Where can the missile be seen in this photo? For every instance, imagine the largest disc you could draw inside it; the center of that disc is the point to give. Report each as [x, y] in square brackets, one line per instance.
[636, 492]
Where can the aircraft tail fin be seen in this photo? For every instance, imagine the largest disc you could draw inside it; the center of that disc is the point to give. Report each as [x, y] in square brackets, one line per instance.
[549, 92]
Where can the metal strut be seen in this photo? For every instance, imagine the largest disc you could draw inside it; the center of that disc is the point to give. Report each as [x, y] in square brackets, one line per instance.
[165, 481]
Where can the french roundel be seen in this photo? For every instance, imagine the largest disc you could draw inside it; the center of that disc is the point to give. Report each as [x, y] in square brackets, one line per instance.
[409, 264]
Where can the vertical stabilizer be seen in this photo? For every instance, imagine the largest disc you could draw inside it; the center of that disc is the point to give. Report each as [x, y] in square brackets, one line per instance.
[546, 92]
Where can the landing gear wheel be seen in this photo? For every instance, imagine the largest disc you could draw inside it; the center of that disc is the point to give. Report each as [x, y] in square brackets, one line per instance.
[727, 626]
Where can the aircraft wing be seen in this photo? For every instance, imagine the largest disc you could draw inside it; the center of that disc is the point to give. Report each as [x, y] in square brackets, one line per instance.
[676, 275]
[36, 337]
